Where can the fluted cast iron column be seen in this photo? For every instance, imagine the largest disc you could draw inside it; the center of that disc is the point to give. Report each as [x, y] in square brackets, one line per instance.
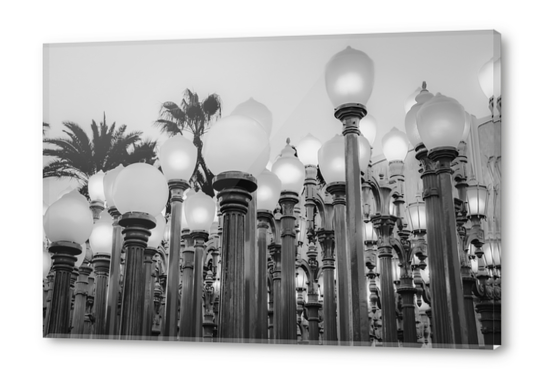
[344, 278]
[235, 190]
[64, 258]
[350, 116]
[112, 327]
[101, 268]
[176, 188]
[265, 220]
[137, 226]
[407, 291]
[148, 303]
[288, 327]
[186, 325]
[200, 237]
[81, 293]
[327, 243]
[276, 255]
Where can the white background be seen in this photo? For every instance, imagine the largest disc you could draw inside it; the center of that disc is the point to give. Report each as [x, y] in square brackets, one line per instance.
[26, 26]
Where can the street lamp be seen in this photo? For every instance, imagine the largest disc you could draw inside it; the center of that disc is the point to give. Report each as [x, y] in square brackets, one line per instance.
[67, 224]
[178, 159]
[101, 242]
[237, 149]
[441, 122]
[291, 173]
[96, 193]
[140, 193]
[349, 77]
[411, 126]
[200, 210]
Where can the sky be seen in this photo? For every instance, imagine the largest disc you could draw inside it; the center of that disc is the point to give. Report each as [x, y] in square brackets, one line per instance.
[130, 80]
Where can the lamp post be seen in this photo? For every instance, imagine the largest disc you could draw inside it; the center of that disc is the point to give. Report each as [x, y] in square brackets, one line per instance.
[327, 243]
[440, 122]
[178, 159]
[199, 210]
[291, 173]
[268, 193]
[140, 193]
[313, 305]
[67, 224]
[101, 241]
[96, 192]
[155, 240]
[349, 80]
[112, 325]
[235, 161]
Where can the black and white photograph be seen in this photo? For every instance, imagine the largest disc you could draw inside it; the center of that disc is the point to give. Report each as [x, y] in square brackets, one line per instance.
[339, 190]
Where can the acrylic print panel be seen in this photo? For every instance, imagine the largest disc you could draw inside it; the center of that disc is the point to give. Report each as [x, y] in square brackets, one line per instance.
[323, 190]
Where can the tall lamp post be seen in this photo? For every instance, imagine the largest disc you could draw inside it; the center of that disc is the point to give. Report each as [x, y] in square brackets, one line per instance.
[178, 159]
[236, 151]
[67, 224]
[349, 77]
[291, 173]
[140, 194]
[440, 122]
[101, 241]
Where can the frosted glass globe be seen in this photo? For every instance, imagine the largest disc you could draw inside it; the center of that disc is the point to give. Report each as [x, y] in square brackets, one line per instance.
[410, 101]
[237, 143]
[268, 192]
[411, 127]
[140, 187]
[307, 150]
[200, 210]
[331, 160]
[96, 190]
[257, 111]
[157, 233]
[69, 219]
[441, 122]
[101, 238]
[178, 158]
[289, 170]
[349, 76]
[368, 127]
[109, 182]
[395, 145]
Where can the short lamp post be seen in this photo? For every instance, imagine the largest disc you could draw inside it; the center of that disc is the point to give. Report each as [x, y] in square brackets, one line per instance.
[67, 224]
[101, 241]
[236, 151]
[291, 173]
[349, 78]
[178, 159]
[140, 193]
[440, 122]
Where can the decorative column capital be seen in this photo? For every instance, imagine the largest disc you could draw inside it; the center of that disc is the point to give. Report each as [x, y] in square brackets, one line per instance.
[177, 188]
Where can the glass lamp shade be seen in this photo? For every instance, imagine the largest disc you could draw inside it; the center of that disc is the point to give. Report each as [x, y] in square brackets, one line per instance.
[69, 219]
[425, 274]
[140, 187]
[349, 77]
[300, 278]
[474, 265]
[289, 170]
[477, 198]
[257, 111]
[157, 234]
[331, 160]
[369, 232]
[109, 182]
[416, 216]
[496, 251]
[101, 238]
[178, 158]
[47, 263]
[200, 211]
[237, 143]
[307, 150]
[489, 77]
[488, 255]
[268, 192]
[96, 190]
[411, 126]
[466, 130]
[441, 122]
[395, 145]
[368, 127]
[410, 101]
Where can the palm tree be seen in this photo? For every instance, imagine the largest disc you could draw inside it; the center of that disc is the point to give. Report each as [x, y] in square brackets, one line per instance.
[79, 156]
[194, 116]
